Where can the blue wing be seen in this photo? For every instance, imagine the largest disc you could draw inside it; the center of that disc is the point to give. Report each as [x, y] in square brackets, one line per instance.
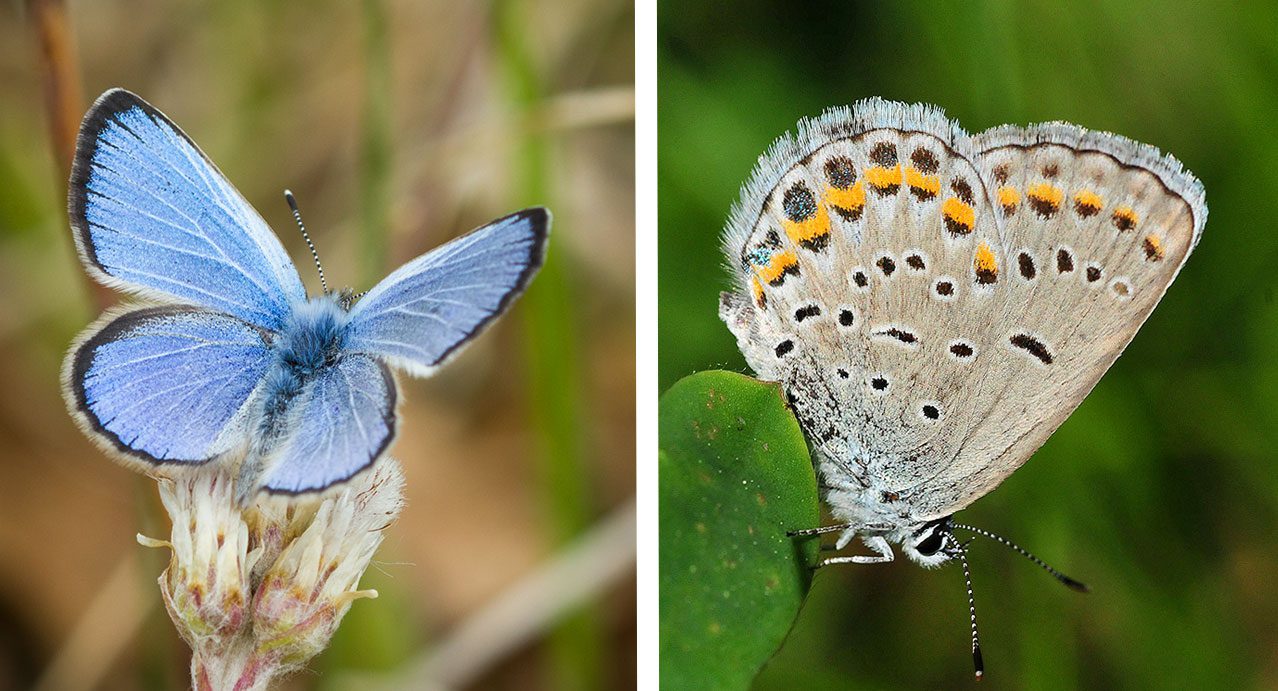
[166, 384]
[344, 419]
[427, 309]
[152, 215]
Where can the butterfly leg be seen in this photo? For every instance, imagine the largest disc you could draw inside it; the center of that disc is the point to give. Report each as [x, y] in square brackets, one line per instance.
[879, 545]
[818, 531]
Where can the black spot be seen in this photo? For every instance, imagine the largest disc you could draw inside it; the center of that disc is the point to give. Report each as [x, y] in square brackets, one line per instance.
[930, 412]
[799, 204]
[1123, 221]
[806, 311]
[840, 172]
[842, 373]
[898, 334]
[925, 161]
[879, 383]
[962, 190]
[886, 265]
[915, 262]
[1027, 266]
[884, 154]
[772, 239]
[1033, 346]
[846, 318]
[859, 279]
[1051, 170]
[1093, 274]
[962, 350]
[784, 347]
[1064, 261]
[944, 288]
[1001, 173]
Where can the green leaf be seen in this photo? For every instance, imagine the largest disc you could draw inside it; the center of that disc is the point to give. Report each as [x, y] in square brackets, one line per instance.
[734, 476]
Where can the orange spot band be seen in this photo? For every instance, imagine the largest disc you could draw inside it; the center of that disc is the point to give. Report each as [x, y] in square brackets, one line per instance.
[777, 266]
[804, 232]
[1045, 193]
[1088, 198]
[881, 177]
[985, 264]
[960, 212]
[924, 183]
[851, 199]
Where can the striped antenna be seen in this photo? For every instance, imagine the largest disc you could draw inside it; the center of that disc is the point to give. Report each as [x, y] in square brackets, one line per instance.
[297, 215]
[977, 661]
[1066, 580]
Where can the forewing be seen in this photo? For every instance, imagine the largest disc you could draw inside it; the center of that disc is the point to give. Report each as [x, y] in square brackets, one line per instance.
[429, 308]
[166, 385]
[152, 215]
[906, 288]
[342, 422]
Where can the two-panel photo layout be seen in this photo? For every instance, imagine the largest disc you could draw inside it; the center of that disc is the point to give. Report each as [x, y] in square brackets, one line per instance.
[600, 345]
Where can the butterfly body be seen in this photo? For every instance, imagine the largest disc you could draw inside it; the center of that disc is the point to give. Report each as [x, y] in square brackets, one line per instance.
[934, 303]
[236, 364]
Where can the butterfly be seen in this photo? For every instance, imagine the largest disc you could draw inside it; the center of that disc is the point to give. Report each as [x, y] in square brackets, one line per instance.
[935, 304]
[232, 359]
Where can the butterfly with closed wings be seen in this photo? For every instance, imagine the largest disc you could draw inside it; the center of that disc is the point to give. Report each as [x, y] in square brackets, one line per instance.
[935, 304]
[232, 361]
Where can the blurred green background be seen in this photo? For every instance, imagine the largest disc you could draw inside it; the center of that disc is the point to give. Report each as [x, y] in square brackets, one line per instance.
[1161, 491]
[398, 125]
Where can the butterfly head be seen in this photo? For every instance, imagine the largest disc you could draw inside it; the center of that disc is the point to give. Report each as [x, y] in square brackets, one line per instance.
[347, 297]
[931, 544]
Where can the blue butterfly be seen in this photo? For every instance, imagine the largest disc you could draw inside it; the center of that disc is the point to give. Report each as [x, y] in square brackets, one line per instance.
[235, 360]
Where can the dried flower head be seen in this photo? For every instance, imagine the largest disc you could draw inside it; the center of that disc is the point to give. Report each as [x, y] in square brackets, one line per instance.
[258, 591]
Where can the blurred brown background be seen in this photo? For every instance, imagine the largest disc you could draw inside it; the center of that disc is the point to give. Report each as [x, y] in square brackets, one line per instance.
[398, 125]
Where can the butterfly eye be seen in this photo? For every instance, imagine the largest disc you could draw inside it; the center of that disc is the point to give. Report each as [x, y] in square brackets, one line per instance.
[931, 545]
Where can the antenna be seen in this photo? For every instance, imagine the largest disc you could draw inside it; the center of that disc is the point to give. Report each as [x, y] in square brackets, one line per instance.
[297, 215]
[971, 609]
[1076, 585]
